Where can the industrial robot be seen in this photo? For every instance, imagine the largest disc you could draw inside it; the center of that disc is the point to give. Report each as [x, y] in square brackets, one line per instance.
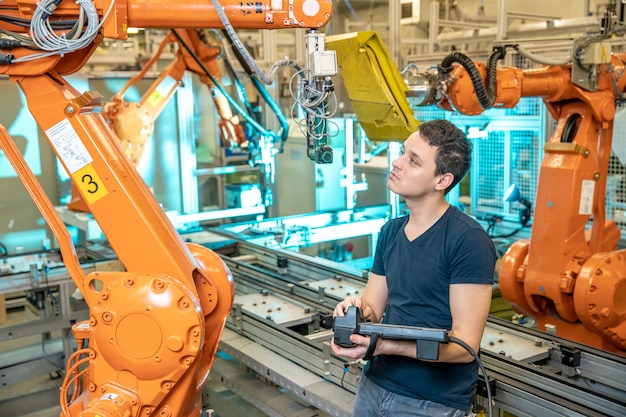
[133, 122]
[569, 275]
[197, 51]
[153, 329]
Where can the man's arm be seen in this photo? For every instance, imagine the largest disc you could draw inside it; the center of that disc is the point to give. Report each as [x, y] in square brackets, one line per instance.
[469, 305]
[375, 298]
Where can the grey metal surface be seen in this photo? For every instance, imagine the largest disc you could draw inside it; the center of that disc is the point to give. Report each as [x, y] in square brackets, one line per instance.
[37, 397]
[265, 399]
[303, 383]
[30, 363]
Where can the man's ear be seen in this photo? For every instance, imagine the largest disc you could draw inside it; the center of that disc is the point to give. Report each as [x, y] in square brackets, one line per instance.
[444, 181]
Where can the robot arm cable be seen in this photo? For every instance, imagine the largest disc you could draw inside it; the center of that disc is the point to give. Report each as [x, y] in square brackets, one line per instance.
[284, 127]
[482, 370]
[541, 60]
[485, 94]
[267, 79]
[218, 85]
[44, 37]
[314, 86]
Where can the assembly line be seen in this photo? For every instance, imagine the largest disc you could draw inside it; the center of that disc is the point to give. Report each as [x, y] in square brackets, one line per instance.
[220, 297]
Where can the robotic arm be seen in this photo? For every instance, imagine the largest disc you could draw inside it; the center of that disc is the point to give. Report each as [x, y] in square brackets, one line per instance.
[154, 328]
[569, 277]
[83, 24]
[133, 123]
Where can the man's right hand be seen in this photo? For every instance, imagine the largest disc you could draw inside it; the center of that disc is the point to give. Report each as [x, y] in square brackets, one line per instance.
[342, 307]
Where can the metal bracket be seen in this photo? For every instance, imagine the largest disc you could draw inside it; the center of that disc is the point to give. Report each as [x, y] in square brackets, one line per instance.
[481, 387]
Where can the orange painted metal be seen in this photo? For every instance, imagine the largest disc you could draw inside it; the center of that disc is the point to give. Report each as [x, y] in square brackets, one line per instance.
[154, 328]
[133, 123]
[120, 15]
[570, 278]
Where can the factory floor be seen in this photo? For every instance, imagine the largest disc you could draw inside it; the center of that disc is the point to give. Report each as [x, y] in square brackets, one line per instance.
[36, 397]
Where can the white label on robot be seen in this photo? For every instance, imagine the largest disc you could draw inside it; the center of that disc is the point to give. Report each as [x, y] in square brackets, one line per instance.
[69, 146]
[586, 197]
[163, 90]
[117, 399]
[277, 4]
[167, 85]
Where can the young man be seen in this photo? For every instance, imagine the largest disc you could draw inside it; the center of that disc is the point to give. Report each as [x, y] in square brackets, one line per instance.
[433, 268]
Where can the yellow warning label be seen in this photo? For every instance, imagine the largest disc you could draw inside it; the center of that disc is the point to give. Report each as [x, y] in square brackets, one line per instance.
[155, 98]
[90, 184]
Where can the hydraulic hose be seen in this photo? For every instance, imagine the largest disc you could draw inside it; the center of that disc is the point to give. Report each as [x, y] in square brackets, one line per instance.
[492, 63]
[486, 95]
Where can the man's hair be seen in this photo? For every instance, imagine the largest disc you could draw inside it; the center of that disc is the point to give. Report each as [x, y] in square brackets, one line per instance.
[454, 150]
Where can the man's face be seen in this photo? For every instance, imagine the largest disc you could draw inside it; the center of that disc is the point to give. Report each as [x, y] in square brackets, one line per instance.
[413, 173]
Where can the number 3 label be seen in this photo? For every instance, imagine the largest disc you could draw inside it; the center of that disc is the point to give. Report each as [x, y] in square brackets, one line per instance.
[88, 181]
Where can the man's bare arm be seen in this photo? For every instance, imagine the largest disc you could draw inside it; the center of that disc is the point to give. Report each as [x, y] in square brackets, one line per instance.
[469, 305]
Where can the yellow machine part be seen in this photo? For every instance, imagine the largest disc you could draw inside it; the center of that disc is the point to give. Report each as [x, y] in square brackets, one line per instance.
[374, 85]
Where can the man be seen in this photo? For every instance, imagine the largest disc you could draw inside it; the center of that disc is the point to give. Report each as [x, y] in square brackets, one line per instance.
[432, 268]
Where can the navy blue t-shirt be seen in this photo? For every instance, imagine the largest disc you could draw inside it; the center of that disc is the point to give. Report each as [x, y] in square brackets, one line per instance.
[455, 250]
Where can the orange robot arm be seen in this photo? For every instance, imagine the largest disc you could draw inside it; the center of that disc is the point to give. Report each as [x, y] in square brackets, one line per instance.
[133, 123]
[115, 17]
[569, 278]
[153, 329]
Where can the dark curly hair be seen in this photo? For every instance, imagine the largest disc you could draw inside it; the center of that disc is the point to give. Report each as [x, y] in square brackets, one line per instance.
[454, 150]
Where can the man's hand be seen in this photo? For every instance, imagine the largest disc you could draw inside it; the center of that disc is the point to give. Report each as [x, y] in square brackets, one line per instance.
[361, 342]
[342, 307]
[352, 353]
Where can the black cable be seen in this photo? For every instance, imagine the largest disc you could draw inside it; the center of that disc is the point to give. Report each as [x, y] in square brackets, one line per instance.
[486, 94]
[3, 249]
[25, 23]
[372, 346]
[482, 369]
[346, 366]
[479, 86]
[220, 87]
[519, 229]
[571, 128]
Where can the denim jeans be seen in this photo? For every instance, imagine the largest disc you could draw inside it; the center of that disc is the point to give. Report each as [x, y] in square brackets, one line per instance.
[373, 401]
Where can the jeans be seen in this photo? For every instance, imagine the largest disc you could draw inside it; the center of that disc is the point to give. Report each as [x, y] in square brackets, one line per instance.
[373, 401]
